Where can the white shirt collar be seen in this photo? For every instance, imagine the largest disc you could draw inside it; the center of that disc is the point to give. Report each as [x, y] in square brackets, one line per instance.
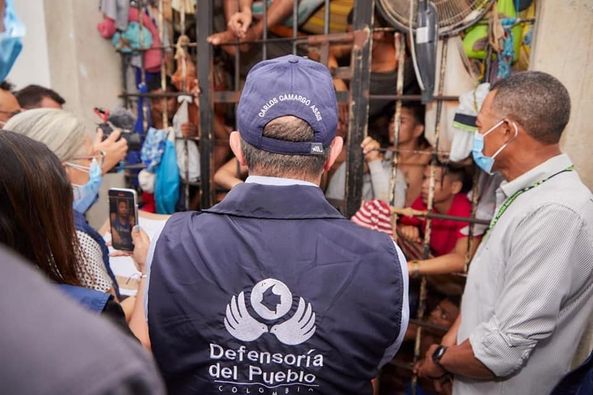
[540, 172]
[277, 181]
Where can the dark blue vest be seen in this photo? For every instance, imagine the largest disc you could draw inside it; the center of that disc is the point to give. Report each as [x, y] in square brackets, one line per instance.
[272, 291]
[82, 225]
[91, 299]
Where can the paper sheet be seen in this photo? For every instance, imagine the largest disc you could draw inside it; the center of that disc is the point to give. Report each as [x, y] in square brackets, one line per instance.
[123, 266]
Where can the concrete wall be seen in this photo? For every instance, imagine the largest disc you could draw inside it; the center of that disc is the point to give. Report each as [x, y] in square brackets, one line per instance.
[32, 65]
[563, 47]
[63, 50]
[84, 67]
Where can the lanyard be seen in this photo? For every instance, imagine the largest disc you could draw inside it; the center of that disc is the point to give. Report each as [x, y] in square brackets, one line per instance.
[503, 208]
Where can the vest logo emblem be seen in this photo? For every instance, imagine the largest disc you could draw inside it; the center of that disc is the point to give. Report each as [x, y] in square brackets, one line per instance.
[271, 299]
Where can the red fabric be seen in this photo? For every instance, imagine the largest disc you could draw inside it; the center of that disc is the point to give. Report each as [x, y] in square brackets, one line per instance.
[374, 214]
[148, 202]
[444, 233]
[106, 28]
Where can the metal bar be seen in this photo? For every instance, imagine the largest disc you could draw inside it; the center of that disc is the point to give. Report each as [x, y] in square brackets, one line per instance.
[324, 53]
[317, 39]
[412, 151]
[183, 56]
[156, 95]
[443, 68]
[311, 39]
[163, 64]
[237, 84]
[425, 214]
[124, 70]
[412, 97]
[295, 25]
[233, 96]
[204, 12]
[359, 102]
[144, 109]
[400, 49]
[264, 48]
[326, 18]
[428, 227]
[336, 38]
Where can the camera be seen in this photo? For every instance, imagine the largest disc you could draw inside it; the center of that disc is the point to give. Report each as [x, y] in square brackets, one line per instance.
[133, 139]
[121, 119]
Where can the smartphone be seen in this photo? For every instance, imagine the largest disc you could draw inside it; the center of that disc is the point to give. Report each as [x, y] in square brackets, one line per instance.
[123, 216]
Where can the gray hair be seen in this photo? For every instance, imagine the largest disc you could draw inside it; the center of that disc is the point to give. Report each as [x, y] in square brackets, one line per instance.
[271, 164]
[59, 130]
[537, 100]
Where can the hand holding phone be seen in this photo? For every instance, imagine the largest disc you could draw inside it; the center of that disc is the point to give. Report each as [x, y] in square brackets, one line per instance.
[123, 216]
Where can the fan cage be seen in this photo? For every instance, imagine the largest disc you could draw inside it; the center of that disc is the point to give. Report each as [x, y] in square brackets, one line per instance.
[453, 15]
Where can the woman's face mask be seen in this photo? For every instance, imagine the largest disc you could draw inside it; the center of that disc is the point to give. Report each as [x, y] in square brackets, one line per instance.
[85, 195]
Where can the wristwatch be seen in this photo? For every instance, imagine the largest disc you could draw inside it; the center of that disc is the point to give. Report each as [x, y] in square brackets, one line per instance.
[438, 354]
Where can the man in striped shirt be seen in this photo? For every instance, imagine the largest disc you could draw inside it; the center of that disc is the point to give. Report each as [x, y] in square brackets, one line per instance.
[529, 292]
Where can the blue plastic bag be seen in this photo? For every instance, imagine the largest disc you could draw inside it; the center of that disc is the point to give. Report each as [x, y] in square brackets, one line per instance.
[153, 148]
[166, 189]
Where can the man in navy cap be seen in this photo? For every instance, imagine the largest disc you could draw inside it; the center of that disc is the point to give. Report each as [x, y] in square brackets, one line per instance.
[272, 290]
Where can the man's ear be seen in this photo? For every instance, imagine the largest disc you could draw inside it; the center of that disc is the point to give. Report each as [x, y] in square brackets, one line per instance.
[511, 130]
[335, 149]
[235, 143]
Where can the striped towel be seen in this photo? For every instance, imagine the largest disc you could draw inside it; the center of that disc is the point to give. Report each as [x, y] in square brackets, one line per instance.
[374, 214]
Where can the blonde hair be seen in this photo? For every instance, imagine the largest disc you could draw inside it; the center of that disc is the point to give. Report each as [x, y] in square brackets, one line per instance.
[62, 132]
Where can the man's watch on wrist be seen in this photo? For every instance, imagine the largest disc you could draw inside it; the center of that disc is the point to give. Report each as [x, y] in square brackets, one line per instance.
[438, 354]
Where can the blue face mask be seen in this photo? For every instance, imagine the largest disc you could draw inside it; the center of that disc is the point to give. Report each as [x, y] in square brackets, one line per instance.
[487, 162]
[10, 40]
[85, 195]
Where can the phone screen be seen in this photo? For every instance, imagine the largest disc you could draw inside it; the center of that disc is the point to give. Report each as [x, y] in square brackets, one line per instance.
[123, 216]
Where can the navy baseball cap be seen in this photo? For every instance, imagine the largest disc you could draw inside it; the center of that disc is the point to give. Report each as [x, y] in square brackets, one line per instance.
[289, 85]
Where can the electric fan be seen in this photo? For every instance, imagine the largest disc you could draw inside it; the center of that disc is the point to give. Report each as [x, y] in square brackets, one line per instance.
[428, 20]
[453, 16]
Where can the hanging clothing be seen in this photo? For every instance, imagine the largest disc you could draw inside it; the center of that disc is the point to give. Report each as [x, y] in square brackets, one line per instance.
[116, 10]
[188, 154]
[464, 122]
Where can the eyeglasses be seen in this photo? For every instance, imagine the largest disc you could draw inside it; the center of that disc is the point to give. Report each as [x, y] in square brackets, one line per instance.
[98, 157]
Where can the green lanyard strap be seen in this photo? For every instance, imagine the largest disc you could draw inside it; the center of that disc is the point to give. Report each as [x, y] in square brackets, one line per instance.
[503, 208]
